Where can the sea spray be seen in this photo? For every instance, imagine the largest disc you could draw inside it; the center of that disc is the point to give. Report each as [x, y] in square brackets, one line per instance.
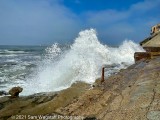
[62, 66]
[124, 53]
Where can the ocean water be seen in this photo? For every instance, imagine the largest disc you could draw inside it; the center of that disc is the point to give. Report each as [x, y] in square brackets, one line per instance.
[56, 67]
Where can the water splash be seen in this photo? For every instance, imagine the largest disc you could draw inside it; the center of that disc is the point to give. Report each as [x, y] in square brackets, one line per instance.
[82, 62]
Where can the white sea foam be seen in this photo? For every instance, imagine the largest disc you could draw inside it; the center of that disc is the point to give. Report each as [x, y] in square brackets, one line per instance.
[14, 52]
[8, 55]
[82, 62]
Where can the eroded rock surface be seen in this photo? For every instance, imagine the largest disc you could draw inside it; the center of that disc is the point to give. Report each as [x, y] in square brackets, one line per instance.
[131, 94]
[39, 104]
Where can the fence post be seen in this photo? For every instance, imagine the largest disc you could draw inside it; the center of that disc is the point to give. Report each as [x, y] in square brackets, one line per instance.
[102, 77]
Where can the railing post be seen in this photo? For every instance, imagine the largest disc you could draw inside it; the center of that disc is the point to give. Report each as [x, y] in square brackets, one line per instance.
[102, 77]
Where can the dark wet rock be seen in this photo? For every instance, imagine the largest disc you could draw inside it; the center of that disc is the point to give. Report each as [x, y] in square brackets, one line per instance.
[14, 92]
[90, 118]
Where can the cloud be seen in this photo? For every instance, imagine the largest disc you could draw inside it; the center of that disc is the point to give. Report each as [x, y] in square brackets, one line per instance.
[36, 22]
[145, 6]
[49, 21]
[106, 16]
[132, 23]
[113, 15]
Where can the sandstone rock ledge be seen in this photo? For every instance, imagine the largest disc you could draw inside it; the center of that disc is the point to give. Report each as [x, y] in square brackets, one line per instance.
[131, 94]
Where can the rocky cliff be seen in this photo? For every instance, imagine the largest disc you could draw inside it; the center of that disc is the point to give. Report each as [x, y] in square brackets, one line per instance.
[131, 94]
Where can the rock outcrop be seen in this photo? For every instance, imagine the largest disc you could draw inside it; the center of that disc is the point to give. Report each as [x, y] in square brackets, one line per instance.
[14, 92]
